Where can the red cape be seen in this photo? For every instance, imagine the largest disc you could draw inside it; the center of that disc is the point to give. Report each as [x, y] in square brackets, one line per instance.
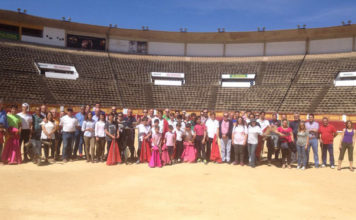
[145, 155]
[215, 152]
[114, 154]
[165, 127]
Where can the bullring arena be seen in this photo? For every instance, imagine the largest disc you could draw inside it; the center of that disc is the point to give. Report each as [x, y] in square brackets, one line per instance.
[284, 71]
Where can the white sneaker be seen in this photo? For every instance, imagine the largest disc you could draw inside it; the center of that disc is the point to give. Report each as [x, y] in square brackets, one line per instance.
[298, 167]
[323, 165]
[303, 168]
[332, 167]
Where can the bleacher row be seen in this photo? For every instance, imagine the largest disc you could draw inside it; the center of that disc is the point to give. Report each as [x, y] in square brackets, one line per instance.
[284, 83]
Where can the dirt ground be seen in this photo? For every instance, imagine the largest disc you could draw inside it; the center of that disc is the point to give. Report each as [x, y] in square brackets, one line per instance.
[78, 190]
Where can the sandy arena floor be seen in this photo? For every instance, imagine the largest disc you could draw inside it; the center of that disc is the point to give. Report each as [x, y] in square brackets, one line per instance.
[78, 190]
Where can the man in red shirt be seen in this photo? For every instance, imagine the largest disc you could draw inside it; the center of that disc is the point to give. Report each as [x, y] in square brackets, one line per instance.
[327, 134]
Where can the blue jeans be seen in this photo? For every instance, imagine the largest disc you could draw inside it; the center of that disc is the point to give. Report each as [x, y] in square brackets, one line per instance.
[68, 139]
[302, 157]
[324, 149]
[252, 154]
[78, 136]
[314, 144]
[225, 149]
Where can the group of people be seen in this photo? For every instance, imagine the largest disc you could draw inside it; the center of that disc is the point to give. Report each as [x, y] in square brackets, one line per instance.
[167, 137]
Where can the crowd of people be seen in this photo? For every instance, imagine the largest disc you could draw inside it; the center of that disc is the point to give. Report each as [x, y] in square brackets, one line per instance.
[167, 137]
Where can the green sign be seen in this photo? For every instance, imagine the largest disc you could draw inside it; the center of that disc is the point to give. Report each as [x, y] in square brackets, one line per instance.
[238, 76]
[10, 36]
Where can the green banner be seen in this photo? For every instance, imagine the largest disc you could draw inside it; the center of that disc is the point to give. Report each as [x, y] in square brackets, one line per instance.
[10, 36]
[238, 75]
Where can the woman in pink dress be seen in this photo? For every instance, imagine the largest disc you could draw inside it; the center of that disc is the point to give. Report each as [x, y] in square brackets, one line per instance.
[12, 151]
[156, 142]
[189, 152]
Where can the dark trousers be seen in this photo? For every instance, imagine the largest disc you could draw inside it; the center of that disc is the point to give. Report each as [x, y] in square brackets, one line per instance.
[100, 148]
[239, 153]
[25, 137]
[78, 144]
[232, 153]
[179, 149]
[108, 145]
[246, 155]
[200, 147]
[122, 147]
[208, 148]
[325, 148]
[58, 145]
[46, 147]
[139, 149]
[286, 153]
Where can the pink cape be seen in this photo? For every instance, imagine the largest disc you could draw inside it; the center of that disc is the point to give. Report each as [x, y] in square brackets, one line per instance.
[155, 159]
[165, 155]
[114, 154]
[12, 152]
[189, 152]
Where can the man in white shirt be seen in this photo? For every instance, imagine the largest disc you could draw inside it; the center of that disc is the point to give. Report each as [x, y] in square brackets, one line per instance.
[26, 123]
[69, 125]
[212, 127]
[264, 123]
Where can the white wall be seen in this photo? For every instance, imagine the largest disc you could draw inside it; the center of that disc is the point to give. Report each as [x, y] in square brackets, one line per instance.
[247, 49]
[116, 45]
[285, 48]
[51, 36]
[330, 45]
[170, 49]
[205, 50]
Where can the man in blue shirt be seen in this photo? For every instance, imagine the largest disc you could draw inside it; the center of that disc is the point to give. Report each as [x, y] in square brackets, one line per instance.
[3, 121]
[97, 112]
[78, 136]
[3, 116]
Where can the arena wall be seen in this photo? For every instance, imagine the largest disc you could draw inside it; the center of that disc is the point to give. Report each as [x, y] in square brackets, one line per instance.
[245, 49]
[285, 48]
[331, 45]
[216, 50]
[170, 49]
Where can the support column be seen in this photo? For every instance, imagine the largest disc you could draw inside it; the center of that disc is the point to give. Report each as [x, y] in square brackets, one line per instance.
[307, 46]
[224, 50]
[264, 48]
[185, 49]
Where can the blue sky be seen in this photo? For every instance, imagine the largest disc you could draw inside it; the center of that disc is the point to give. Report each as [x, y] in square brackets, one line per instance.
[196, 15]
